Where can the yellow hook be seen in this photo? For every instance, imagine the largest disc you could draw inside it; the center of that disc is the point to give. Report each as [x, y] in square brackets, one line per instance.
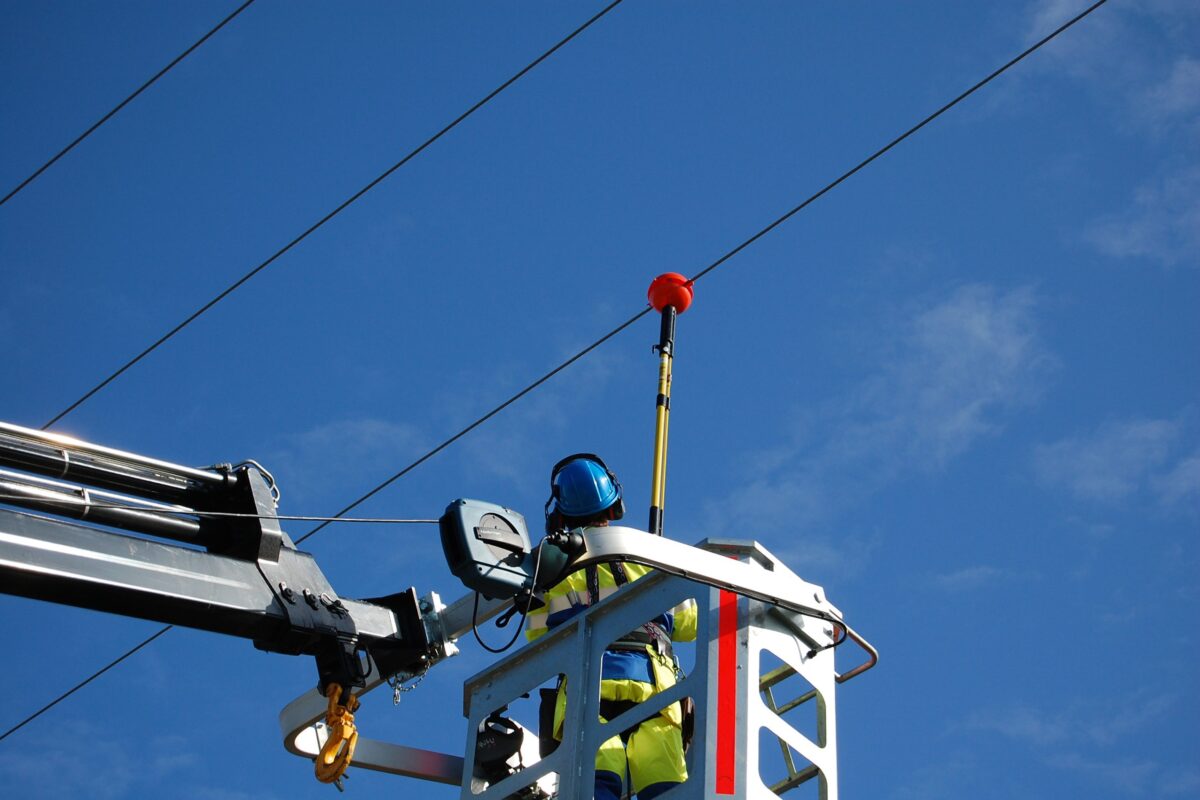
[338, 750]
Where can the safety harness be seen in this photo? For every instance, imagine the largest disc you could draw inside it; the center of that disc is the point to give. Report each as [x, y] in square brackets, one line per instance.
[650, 633]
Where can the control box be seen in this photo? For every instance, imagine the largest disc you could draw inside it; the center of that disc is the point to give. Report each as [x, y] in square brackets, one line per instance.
[487, 547]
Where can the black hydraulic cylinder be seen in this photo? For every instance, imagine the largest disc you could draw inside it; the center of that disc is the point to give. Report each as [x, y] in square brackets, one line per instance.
[98, 507]
[65, 458]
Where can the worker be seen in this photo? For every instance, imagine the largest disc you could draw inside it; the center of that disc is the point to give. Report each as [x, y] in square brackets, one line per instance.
[585, 493]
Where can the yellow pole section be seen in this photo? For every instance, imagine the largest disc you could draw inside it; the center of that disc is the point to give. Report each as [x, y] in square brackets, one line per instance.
[658, 484]
[662, 412]
[666, 425]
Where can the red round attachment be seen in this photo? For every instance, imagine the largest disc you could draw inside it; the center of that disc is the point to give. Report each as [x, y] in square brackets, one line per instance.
[670, 289]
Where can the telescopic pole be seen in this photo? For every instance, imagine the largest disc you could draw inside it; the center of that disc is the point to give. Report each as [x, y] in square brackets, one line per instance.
[670, 294]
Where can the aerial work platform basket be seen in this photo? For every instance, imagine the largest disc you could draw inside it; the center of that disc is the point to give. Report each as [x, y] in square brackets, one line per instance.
[763, 683]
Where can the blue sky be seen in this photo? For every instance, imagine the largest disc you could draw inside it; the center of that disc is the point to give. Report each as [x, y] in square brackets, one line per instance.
[959, 392]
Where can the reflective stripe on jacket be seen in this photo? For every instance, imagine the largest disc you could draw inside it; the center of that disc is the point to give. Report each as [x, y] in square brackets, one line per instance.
[626, 674]
[570, 596]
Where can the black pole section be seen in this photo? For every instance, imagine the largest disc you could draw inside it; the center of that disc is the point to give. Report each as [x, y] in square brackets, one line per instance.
[666, 332]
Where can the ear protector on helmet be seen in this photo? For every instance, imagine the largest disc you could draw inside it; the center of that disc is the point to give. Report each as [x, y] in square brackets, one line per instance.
[554, 516]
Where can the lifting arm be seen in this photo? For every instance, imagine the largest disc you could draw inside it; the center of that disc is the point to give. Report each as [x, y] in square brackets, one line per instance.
[249, 581]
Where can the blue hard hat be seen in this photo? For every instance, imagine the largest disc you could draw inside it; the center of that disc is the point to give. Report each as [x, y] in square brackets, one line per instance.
[582, 486]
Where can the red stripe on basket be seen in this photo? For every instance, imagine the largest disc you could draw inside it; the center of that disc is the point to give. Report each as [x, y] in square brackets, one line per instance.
[727, 629]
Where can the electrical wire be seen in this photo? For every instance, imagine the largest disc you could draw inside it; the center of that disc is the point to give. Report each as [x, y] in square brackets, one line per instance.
[82, 684]
[124, 102]
[850, 172]
[478, 638]
[1012, 62]
[343, 206]
[537, 566]
[451, 440]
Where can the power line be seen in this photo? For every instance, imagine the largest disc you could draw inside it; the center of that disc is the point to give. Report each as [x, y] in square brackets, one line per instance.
[125, 102]
[345, 204]
[81, 684]
[483, 419]
[848, 173]
[730, 254]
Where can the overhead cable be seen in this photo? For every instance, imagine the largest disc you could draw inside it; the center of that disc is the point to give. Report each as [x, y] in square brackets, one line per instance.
[848, 173]
[83, 683]
[125, 102]
[1041, 42]
[339, 209]
[430, 454]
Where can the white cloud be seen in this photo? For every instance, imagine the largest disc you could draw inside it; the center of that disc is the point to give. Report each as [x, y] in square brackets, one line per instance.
[832, 559]
[1162, 224]
[366, 445]
[1139, 59]
[1175, 98]
[1101, 724]
[506, 447]
[965, 362]
[1076, 50]
[1181, 781]
[950, 777]
[1181, 485]
[947, 376]
[1124, 774]
[960, 365]
[1048, 14]
[1126, 717]
[214, 793]
[1022, 723]
[1123, 49]
[1119, 460]
[81, 760]
[1094, 529]
[977, 577]
[1109, 464]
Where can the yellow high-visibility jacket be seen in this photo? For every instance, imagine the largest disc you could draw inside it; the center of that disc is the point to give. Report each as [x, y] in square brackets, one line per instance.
[625, 674]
